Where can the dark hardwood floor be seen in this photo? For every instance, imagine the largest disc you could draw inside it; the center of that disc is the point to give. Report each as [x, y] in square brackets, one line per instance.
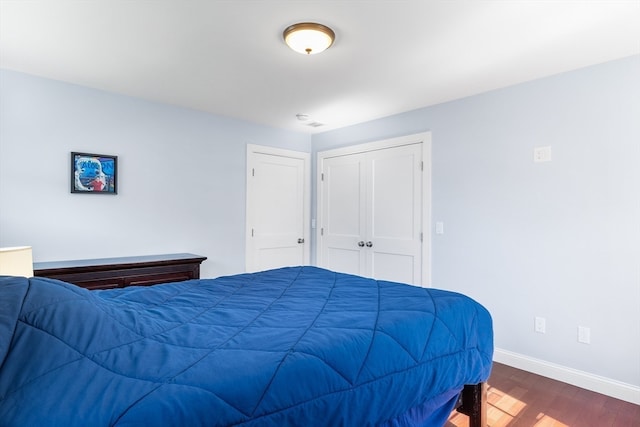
[522, 399]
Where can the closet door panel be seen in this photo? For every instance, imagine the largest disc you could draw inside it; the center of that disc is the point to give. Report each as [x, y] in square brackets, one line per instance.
[393, 267]
[344, 210]
[371, 211]
[345, 260]
[393, 190]
[394, 220]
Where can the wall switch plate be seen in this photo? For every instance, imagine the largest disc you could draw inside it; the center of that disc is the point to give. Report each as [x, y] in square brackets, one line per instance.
[542, 154]
[540, 325]
[584, 335]
[439, 227]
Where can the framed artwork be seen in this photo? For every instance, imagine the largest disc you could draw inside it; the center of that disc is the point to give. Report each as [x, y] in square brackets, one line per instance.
[94, 173]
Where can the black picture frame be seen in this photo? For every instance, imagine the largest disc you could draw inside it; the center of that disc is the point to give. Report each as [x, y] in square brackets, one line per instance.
[94, 173]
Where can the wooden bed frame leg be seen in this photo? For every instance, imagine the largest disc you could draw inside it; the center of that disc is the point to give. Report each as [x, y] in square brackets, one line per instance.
[474, 404]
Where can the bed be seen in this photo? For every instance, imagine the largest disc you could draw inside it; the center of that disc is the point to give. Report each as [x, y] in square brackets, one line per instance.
[297, 346]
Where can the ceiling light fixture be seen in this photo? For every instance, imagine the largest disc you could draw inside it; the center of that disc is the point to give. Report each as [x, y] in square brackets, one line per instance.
[309, 38]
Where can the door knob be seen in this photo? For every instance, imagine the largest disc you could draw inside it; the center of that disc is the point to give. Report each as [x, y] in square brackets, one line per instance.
[361, 244]
[301, 240]
[369, 244]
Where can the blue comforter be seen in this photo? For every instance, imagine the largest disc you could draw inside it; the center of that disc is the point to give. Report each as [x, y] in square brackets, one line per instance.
[294, 346]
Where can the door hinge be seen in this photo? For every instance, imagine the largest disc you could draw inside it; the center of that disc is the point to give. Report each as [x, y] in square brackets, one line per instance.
[252, 232]
[253, 172]
[322, 176]
[422, 166]
[322, 231]
[421, 236]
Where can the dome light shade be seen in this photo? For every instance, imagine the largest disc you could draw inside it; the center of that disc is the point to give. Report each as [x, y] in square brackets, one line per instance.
[308, 38]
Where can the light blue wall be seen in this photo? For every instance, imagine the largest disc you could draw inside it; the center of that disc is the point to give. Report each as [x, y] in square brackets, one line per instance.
[181, 180]
[560, 240]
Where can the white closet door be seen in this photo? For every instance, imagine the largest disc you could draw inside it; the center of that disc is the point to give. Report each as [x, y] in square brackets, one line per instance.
[394, 215]
[371, 213]
[344, 213]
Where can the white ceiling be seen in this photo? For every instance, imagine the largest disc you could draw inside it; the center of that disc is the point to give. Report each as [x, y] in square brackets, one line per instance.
[228, 57]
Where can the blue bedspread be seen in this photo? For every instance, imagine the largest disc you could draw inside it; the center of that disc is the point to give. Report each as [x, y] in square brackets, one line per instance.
[294, 346]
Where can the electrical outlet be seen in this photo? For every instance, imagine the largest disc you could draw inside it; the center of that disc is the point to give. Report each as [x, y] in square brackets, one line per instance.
[542, 154]
[584, 335]
[540, 325]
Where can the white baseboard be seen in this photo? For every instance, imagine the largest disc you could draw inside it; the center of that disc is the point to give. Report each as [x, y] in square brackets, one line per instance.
[602, 385]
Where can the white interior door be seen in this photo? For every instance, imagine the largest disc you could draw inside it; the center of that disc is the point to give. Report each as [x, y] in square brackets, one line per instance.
[344, 214]
[277, 208]
[373, 202]
[394, 225]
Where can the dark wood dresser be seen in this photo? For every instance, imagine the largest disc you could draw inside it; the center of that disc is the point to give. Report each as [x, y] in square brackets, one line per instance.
[108, 273]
